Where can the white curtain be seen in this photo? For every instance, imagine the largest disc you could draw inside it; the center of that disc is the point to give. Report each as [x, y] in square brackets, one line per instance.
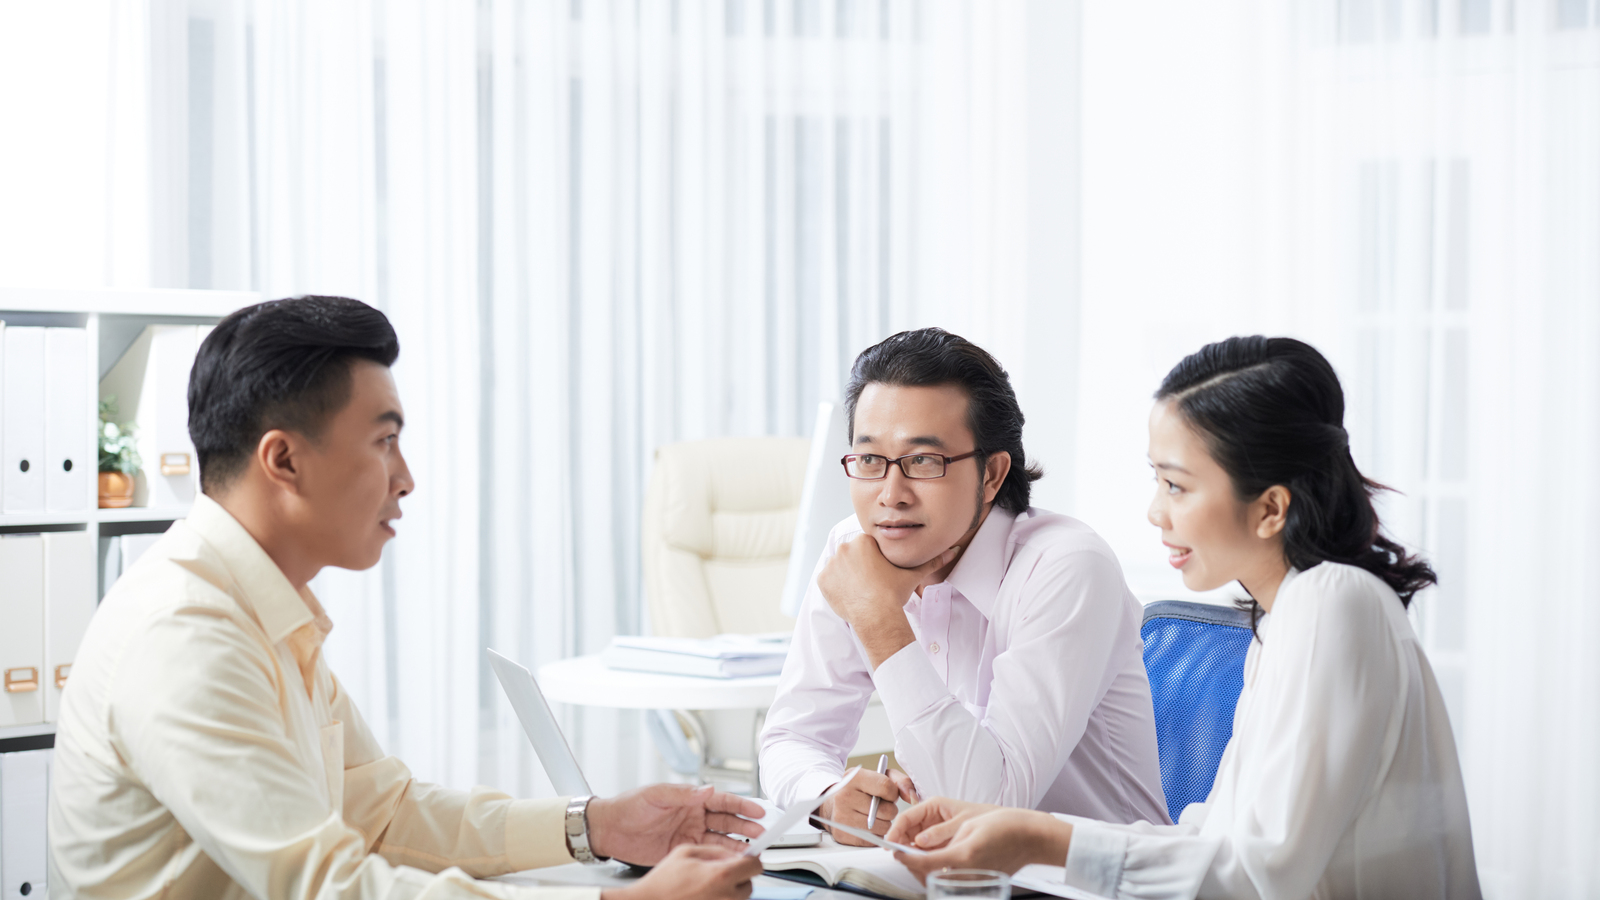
[602, 226]
[75, 145]
[598, 226]
[1415, 188]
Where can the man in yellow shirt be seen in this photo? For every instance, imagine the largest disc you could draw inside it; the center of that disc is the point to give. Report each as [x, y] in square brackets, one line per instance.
[206, 750]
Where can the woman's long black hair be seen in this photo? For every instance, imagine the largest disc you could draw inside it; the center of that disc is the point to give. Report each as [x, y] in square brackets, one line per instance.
[1271, 411]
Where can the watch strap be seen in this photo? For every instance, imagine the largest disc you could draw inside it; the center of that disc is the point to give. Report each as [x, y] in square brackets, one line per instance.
[577, 830]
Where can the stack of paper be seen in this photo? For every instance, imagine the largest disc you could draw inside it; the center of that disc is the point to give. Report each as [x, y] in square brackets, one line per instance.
[723, 656]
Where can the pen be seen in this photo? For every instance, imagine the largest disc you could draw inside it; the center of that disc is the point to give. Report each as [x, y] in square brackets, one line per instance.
[872, 811]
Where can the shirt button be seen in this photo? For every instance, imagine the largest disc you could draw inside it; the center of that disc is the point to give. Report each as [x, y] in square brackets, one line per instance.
[934, 648]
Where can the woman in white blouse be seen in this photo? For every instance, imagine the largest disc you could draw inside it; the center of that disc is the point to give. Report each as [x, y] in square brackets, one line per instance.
[1341, 779]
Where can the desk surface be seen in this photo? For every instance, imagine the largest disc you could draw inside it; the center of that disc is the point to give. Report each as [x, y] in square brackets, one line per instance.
[585, 681]
[574, 875]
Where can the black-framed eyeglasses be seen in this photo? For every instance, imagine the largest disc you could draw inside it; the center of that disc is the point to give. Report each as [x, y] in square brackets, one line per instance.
[872, 467]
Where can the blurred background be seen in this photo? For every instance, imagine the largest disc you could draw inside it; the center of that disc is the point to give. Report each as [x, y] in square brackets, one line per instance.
[602, 227]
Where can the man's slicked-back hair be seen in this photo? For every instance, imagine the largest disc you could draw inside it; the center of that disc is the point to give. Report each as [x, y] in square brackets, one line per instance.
[931, 357]
[282, 364]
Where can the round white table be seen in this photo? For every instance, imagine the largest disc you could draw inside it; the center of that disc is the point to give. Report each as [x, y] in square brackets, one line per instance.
[585, 681]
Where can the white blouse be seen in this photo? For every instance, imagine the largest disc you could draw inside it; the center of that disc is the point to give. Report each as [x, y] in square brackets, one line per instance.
[1340, 781]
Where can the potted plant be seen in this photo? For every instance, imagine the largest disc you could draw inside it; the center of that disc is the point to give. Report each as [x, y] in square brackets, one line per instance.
[119, 459]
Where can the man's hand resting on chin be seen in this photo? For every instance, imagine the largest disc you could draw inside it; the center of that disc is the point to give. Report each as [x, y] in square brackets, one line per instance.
[642, 826]
[870, 592]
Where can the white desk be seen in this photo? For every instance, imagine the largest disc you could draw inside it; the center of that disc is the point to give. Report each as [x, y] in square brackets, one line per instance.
[585, 681]
[574, 875]
[618, 875]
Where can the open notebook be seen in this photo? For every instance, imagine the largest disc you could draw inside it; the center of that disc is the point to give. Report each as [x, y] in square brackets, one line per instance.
[870, 870]
[864, 869]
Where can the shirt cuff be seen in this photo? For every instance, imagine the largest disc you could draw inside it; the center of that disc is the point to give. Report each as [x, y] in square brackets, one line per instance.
[812, 783]
[536, 834]
[909, 685]
[1095, 858]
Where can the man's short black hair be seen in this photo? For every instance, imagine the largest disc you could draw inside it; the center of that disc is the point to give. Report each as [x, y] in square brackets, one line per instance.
[930, 357]
[279, 364]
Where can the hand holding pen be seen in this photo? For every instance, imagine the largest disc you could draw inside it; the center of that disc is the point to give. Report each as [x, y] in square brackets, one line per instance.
[852, 805]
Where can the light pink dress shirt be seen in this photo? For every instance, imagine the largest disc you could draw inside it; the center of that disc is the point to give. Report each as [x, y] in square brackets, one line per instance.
[1025, 686]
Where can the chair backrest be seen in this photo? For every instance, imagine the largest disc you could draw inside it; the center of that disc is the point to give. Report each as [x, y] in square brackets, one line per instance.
[1194, 654]
[719, 518]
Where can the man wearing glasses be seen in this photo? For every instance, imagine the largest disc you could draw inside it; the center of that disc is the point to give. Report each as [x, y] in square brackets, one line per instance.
[1002, 639]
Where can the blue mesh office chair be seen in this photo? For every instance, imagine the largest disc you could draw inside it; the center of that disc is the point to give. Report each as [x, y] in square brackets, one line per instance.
[1194, 654]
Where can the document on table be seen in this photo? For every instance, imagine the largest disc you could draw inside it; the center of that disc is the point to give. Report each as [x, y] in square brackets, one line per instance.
[871, 838]
[1044, 879]
[796, 814]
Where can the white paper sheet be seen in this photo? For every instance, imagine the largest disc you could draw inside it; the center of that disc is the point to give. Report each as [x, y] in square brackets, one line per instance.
[796, 814]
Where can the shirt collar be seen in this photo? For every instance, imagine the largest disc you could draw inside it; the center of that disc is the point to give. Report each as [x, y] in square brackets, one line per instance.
[981, 569]
[259, 585]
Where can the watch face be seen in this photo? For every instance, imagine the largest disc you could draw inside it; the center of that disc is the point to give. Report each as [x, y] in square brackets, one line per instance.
[577, 829]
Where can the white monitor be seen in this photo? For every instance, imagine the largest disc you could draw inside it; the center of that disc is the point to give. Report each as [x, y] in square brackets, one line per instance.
[540, 724]
[824, 501]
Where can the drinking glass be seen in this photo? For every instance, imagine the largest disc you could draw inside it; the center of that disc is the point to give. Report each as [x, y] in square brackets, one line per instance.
[969, 883]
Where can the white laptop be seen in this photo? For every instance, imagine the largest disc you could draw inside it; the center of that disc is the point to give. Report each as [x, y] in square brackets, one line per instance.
[540, 726]
[562, 767]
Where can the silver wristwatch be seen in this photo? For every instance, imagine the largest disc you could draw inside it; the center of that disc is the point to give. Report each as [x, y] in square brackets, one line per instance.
[577, 828]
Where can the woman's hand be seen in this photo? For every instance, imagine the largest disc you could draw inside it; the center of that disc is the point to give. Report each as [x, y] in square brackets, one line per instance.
[694, 870]
[977, 836]
[642, 826]
[931, 824]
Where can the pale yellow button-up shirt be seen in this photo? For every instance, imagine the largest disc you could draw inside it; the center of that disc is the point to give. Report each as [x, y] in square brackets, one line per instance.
[205, 750]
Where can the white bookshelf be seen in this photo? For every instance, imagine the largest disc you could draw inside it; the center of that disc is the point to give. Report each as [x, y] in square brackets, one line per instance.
[27, 731]
[147, 303]
[141, 514]
[107, 316]
[94, 516]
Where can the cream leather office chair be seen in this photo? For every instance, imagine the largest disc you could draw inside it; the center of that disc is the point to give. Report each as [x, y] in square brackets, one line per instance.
[719, 518]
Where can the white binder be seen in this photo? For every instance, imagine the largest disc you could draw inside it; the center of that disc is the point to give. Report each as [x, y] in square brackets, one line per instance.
[69, 592]
[24, 798]
[21, 629]
[67, 424]
[22, 464]
[151, 384]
